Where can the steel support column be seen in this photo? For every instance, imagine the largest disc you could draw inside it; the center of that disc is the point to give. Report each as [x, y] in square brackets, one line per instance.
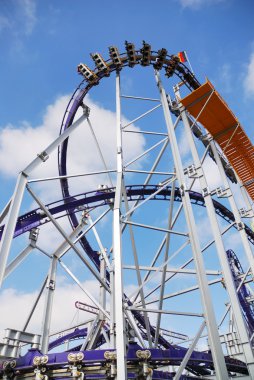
[117, 248]
[234, 207]
[221, 251]
[11, 223]
[189, 352]
[214, 339]
[48, 305]
[13, 208]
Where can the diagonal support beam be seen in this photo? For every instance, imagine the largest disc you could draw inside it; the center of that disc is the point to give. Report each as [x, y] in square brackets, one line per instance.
[189, 352]
[214, 339]
[72, 245]
[14, 207]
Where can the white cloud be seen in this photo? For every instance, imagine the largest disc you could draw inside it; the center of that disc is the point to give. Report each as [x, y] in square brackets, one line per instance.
[5, 23]
[249, 79]
[197, 4]
[184, 146]
[21, 144]
[29, 10]
[212, 174]
[225, 74]
[19, 18]
[204, 228]
[64, 313]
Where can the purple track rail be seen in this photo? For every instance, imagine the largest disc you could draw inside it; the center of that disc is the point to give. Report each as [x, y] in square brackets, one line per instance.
[69, 205]
[93, 199]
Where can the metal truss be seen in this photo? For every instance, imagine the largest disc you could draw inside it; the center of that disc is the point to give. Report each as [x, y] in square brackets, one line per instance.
[173, 301]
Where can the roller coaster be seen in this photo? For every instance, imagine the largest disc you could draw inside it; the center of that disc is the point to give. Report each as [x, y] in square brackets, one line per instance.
[123, 340]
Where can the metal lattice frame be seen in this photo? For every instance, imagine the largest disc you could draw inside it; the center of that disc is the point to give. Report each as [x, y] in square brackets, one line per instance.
[136, 347]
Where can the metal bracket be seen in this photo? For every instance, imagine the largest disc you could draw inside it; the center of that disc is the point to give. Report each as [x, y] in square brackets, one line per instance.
[182, 190]
[86, 109]
[206, 137]
[33, 236]
[191, 171]
[221, 193]
[233, 344]
[11, 345]
[240, 226]
[51, 285]
[43, 156]
[246, 213]
[205, 191]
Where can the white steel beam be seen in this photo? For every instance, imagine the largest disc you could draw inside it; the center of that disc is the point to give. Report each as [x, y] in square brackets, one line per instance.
[163, 277]
[72, 245]
[141, 116]
[136, 261]
[171, 270]
[189, 352]
[35, 304]
[234, 207]
[10, 224]
[171, 312]
[17, 197]
[117, 248]
[214, 339]
[190, 260]
[51, 283]
[89, 295]
[157, 270]
[221, 251]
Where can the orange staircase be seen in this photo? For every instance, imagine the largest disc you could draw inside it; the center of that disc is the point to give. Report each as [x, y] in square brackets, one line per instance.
[208, 107]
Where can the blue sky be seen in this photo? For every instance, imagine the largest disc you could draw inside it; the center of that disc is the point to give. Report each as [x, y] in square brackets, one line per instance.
[43, 41]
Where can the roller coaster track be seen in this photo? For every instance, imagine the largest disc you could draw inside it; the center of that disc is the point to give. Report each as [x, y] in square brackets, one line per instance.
[86, 201]
[199, 362]
[92, 199]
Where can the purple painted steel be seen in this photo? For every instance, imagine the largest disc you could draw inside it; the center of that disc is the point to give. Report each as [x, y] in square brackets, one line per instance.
[243, 294]
[99, 198]
[77, 333]
[170, 355]
[199, 360]
[73, 204]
